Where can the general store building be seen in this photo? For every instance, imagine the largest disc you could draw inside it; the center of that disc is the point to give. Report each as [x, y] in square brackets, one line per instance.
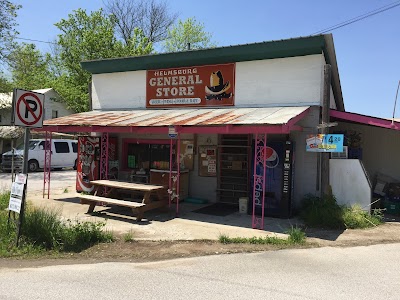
[215, 107]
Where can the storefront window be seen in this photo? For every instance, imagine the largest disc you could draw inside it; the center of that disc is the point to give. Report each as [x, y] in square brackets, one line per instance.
[147, 156]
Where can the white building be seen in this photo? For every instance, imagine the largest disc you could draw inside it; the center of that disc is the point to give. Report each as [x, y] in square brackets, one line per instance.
[53, 108]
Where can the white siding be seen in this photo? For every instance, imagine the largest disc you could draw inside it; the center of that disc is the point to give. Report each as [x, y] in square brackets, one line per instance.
[293, 81]
[51, 102]
[122, 90]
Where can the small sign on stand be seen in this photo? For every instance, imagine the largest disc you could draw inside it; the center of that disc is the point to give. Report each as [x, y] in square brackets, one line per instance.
[172, 132]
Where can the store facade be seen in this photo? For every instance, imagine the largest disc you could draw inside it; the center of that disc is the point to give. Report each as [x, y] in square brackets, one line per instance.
[231, 122]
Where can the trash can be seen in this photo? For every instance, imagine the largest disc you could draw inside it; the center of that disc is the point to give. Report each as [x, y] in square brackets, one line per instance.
[243, 205]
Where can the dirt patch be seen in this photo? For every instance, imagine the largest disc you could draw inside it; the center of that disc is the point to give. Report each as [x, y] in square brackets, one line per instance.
[145, 251]
[141, 251]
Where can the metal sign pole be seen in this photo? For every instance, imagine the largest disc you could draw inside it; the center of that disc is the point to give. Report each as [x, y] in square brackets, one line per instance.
[24, 171]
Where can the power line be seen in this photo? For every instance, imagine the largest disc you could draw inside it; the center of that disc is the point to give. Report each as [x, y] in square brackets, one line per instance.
[359, 18]
[19, 38]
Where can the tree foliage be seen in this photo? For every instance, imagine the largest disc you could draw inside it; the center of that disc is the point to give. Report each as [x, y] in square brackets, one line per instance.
[5, 84]
[151, 16]
[89, 37]
[185, 32]
[30, 68]
[8, 13]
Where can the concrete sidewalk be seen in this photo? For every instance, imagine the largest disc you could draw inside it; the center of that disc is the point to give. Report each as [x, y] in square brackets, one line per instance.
[163, 224]
[189, 225]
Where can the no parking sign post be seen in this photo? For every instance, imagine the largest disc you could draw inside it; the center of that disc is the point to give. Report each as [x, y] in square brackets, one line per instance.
[28, 111]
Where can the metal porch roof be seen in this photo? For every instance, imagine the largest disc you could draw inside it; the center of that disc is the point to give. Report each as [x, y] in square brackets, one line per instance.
[181, 117]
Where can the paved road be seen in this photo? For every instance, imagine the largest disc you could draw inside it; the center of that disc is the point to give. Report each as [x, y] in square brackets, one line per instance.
[59, 180]
[324, 273]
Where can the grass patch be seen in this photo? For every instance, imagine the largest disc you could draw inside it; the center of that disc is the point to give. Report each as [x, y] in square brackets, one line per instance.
[326, 213]
[355, 217]
[44, 230]
[128, 237]
[295, 236]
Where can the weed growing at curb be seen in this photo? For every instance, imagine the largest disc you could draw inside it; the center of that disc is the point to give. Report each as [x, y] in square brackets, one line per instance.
[296, 235]
[128, 237]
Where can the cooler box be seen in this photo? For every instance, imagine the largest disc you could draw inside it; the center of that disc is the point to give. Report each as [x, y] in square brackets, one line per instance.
[392, 208]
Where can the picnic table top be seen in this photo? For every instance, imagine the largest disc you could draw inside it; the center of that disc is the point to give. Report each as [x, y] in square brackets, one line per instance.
[128, 185]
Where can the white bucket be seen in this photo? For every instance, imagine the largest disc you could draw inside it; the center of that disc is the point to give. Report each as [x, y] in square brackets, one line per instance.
[243, 205]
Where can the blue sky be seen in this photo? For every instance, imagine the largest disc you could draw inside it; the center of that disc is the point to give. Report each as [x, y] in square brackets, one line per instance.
[367, 51]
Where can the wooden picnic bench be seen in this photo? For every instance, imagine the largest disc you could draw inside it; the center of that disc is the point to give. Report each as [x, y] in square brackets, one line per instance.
[139, 206]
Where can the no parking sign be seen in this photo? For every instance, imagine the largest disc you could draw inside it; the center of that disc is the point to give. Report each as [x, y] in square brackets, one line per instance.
[28, 108]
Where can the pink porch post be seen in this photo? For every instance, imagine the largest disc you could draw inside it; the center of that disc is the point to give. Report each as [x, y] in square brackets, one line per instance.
[47, 164]
[104, 158]
[178, 172]
[259, 179]
[170, 174]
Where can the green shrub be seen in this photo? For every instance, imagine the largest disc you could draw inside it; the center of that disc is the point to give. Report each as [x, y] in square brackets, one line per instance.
[321, 212]
[81, 235]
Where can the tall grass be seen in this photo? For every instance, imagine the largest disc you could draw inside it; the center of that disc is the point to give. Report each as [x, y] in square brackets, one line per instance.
[326, 213]
[43, 229]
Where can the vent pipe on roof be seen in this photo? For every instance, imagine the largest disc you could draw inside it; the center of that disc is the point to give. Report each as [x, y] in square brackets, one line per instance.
[395, 101]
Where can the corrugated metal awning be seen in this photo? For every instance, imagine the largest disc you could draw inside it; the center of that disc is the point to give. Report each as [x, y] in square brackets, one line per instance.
[182, 117]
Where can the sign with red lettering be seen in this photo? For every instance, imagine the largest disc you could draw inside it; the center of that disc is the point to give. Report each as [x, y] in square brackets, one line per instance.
[212, 85]
[28, 108]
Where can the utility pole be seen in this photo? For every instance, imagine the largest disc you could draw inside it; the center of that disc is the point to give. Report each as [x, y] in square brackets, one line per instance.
[325, 129]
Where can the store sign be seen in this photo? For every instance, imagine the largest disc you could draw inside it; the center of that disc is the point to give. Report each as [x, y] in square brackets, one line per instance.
[212, 85]
[325, 143]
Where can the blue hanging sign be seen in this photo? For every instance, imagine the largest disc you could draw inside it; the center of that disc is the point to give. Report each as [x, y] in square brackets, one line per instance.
[325, 143]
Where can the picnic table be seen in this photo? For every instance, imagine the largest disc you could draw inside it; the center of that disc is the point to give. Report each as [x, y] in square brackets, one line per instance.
[139, 206]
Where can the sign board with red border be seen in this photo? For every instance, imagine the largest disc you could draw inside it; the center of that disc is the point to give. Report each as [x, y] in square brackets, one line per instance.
[28, 108]
[197, 86]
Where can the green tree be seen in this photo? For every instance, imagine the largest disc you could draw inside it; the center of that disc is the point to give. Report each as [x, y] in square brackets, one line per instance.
[8, 13]
[5, 84]
[30, 69]
[89, 37]
[185, 32]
